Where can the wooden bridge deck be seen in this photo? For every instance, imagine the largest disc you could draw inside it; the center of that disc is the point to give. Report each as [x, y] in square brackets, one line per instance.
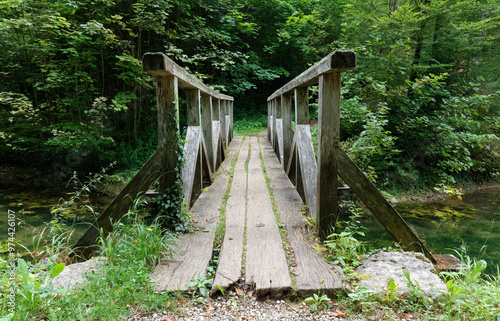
[253, 252]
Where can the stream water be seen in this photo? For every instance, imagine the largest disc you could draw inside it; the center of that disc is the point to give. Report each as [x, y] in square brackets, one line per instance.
[475, 221]
[446, 225]
[32, 210]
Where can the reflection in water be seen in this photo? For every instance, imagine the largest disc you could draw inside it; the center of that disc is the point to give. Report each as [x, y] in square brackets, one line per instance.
[32, 211]
[478, 229]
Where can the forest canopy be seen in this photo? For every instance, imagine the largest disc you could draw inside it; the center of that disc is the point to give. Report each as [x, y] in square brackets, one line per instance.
[422, 105]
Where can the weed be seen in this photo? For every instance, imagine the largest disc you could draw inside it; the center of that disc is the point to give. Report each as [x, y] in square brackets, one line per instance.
[392, 291]
[318, 302]
[200, 286]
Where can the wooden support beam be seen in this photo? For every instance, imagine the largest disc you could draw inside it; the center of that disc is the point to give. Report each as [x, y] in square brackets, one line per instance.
[120, 205]
[286, 112]
[192, 171]
[378, 205]
[168, 127]
[308, 169]
[328, 143]
[222, 119]
[269, 121]
[206, 116]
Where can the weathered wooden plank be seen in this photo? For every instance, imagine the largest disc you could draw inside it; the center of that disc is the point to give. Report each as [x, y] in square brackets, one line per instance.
[269, 121]
[168, 127]
[193, 101]
[222, 119]
[301, 106]
[158, 64]
[336, 62]
[286, 112]
[378, 205]
[194, 252]
[312, 273]
[205, 165]
[206, 113]
[229, 270]
[121, 204]
[308, 168]
[279, 134]
[328, 143]
[191, 173]
[266, 264]
[215, 143]
[228, 129]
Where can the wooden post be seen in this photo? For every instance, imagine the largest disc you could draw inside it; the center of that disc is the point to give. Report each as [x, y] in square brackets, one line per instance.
[206, 116]
[269, 121]
[222, 119]
[168, 127]
[193, 107]
[301, 106]
[216, 130]
[279, 131]
[274, 134]
[328, 143]
[286, 112]
[231, 106]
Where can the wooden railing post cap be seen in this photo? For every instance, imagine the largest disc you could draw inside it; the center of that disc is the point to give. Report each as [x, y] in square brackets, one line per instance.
[154, 61]
[343, 59]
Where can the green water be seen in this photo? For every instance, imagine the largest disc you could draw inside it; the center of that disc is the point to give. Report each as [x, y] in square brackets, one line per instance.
[478, 228]
[32, 213]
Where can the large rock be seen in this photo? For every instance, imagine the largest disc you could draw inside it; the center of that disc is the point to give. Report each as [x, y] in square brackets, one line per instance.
[379, 268]
[74, 274]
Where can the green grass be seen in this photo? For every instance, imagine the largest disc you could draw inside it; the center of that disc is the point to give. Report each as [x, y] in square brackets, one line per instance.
[248, 125]
[119, 290]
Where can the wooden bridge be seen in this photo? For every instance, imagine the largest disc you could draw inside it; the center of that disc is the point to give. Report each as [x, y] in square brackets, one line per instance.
[258, 185]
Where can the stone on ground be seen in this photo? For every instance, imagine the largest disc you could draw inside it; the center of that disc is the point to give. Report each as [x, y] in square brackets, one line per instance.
[379, 268]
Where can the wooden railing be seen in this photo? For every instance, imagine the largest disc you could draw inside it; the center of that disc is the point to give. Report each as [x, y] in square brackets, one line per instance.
[316, 180]
[209, 132]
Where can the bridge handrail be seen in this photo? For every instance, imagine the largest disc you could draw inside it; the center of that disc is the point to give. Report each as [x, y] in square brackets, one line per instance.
[316, 178]
[158, 64]
[336, 62]
[206, 139]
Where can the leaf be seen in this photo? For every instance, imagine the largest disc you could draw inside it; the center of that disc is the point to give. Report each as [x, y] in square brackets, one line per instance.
[57, 269]
[239, 292]
[23, 270]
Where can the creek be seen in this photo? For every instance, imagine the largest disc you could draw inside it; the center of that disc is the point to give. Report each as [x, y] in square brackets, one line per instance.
[444, 225]
[32, 211]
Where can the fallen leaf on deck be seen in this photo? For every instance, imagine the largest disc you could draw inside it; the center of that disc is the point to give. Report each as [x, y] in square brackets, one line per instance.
[194, 221]
[338, 313]
[239, 292]
[294, 264]
[209, 307]
[250, 293]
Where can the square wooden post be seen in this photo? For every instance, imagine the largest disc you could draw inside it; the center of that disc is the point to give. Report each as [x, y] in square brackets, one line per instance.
[286, 112]
[206, 116]
[168, 127]
[328, 143]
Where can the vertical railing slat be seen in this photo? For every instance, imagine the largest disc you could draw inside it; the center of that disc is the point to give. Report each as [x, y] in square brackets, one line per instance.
[328, 142]
[168, 127]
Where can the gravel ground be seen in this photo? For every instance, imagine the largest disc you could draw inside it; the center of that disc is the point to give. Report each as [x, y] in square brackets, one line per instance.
[221, 309]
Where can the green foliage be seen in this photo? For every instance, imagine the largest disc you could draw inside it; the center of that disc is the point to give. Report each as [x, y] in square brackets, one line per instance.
[344, 248]
[247, 125]
[200, 286]
[317, 302]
